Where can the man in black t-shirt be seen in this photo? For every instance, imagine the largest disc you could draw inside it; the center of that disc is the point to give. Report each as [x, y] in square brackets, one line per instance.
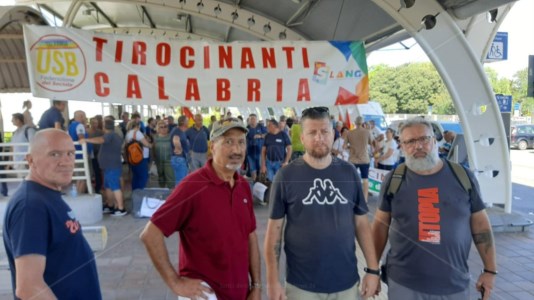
[276, 150]
[320, 199]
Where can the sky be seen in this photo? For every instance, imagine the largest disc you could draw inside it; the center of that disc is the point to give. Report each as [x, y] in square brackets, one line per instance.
[518, 23]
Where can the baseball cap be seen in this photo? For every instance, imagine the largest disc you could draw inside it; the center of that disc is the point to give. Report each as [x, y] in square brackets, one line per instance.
[222, 126]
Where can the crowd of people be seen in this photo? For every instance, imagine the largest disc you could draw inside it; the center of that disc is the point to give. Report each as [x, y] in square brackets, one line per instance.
[318, 208]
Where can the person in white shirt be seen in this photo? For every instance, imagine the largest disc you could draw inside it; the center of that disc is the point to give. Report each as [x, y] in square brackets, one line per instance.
[389, 157]
[337, 149]
[23, 134]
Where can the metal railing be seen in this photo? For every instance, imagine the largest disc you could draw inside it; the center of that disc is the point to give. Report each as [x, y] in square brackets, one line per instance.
[14, 175]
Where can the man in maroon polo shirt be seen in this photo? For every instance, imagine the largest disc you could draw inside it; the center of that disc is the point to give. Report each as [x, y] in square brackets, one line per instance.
[212, 211]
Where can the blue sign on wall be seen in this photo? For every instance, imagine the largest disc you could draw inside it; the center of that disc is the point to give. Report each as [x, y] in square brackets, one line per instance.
[504, 102]
[499, 47]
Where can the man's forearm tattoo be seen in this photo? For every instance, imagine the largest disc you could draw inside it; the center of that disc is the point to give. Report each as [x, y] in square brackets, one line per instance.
[484, 238]
[277, 250]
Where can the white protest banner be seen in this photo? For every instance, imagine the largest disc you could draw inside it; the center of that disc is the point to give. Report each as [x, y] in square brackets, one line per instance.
[72, 64]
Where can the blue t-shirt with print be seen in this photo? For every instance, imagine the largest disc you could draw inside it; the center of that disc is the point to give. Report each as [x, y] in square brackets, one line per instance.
[430, 234]
[38, 221]
[254, 144]
[319, 207]
[275, 146]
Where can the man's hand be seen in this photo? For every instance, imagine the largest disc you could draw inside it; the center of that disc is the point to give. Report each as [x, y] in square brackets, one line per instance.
[191, 288]
[370, 286]
[284, 164]
[485, 282]
[254, 294]
[82, 141]
[275, 291]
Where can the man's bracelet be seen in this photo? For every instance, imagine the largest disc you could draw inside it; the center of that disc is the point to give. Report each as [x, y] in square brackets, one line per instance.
[371, 271]
[491, 272]
[255, 285]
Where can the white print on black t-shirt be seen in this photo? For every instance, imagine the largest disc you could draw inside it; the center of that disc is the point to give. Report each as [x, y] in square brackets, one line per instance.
[324, 192]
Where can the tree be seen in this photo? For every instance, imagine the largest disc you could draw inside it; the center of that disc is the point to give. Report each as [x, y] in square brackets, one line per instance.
[409, 88]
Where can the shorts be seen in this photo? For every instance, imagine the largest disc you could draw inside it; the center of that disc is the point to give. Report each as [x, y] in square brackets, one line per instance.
[364, 170]
[295, 293]
[112, 179]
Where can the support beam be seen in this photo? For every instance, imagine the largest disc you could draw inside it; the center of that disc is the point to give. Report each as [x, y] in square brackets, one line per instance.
[461, 71]
[145, 13]
[100, 11]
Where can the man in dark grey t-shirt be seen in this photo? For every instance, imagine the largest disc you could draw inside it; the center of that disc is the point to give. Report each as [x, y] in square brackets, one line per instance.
[431, 221]
[321, 200]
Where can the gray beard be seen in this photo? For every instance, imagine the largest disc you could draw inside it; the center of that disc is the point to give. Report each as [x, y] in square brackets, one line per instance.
[422, 164]
[233, 167]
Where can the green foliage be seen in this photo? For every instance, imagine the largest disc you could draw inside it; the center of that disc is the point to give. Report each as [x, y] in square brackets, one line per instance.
[409, 88]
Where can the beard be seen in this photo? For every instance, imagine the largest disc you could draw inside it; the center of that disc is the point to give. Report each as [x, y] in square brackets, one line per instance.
[319, 152]
[429, 161]
[236, 162]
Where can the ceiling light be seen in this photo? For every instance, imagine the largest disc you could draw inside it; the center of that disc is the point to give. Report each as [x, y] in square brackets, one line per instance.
[234, 15]
[200, 5]
[282, 35]
[492, 15]
[267, 28]
[217, 10]
[429, 21]
[251, 22]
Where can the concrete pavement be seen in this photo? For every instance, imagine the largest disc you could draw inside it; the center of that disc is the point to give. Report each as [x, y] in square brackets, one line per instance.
[126, 271]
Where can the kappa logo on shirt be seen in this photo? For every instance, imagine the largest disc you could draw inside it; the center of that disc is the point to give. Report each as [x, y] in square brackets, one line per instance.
[324, 192]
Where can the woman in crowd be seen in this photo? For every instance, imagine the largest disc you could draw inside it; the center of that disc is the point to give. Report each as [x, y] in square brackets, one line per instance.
[95, 130]
[337, 149]
[139, 171]
[162, 155]
[388, 159]
[28, 119]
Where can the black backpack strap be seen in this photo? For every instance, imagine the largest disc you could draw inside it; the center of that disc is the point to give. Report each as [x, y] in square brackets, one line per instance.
[396, 180]
[461, 176]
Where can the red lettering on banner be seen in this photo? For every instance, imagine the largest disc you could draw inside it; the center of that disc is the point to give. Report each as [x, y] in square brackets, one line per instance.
[163, 54]
[101, 79]
[289, 56]
[161, 89]
[247, 61]
[305, 60]
[118, 52]
[191, 90]
[253, 90]
[206, 57]
[184, 53]
[99, 45]
[133, 90]
[139, 53]
[268, 58]
[223, 89]
[225, 57]
[279, 87]
[429, 216]
[303, 90]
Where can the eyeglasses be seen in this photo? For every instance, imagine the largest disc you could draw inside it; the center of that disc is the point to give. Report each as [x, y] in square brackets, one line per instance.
[424, 140]
[315, 111]
[162, 127]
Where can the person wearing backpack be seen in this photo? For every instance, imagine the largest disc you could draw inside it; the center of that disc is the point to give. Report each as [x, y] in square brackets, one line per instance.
[430, 211]
[23, 134]
[135, 141]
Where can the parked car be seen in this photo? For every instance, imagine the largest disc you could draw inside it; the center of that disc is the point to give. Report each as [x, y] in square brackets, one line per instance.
[522, 137]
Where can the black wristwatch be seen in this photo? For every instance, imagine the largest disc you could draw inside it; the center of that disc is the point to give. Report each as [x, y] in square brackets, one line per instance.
[491, 272]
[371, 271]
